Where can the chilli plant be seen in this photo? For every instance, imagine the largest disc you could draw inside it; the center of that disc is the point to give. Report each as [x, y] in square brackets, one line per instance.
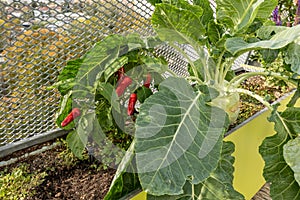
[176, 125]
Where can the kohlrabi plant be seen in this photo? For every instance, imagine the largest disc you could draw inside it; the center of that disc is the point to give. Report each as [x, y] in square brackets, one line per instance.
[177, 124]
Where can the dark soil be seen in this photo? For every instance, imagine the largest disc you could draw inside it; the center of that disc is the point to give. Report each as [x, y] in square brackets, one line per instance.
[83, 180]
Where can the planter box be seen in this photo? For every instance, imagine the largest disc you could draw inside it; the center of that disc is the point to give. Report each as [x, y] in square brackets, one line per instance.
[247, 137]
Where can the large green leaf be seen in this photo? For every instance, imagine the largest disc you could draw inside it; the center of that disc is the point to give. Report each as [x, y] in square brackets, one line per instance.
[177, 136]
[218, 186]
[281, 39]
[178, 24]
[276, 170]
[291, 153]
[239, 14]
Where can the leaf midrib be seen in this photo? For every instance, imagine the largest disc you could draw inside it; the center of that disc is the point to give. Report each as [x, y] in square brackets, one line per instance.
[175, 134]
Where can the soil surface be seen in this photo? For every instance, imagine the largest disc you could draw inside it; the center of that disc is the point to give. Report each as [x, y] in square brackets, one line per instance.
[83, 180]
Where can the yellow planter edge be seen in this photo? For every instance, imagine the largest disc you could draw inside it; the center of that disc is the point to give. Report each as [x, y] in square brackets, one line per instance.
[248, 178]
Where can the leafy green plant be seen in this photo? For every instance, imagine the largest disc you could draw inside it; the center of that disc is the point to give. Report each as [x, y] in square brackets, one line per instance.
[177, 151]
[19, 183]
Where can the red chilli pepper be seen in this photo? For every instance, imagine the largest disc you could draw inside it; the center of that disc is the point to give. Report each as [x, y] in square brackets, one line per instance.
[131, 104]
[123, 84]
[71, 116]
[147, 81]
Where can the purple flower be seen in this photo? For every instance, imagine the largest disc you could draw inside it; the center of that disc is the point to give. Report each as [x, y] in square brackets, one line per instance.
[276, 16]
[297, 16]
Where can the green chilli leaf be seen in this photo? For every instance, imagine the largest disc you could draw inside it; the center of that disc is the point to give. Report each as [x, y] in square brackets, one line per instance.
[291, 153]
[281, 39]
[217, 186]
[100, 57]
[276, 170]
[178, 24]
[117, 64]
[126, 179]
[75, 143]
[178, 136]
[238, 15]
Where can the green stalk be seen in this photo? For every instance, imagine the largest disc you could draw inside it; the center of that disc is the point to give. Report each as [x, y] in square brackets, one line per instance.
[227, 67]
[194, 69]
[236, 81]
[256, 96]
[195, 78]
[219, 67]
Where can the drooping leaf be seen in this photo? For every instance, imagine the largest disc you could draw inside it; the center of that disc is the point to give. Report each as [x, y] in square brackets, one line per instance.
[276, 170]
[266, 32]
[292, 57]
[238, 45]
[126, 179]
[75, 143]
[291, 153]
[238, 15]
[217, 186]
[177, 136]
[177, 24]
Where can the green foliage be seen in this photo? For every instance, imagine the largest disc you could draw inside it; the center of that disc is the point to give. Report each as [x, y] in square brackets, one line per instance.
[217, 186]
[177, 149]
[291, 153]
[276, 170]
[19, 183]
[158, 136]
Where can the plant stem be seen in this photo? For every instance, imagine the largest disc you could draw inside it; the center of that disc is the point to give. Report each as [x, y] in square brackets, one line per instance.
[194, 69]
[236, 81]
[256, 96]
[219, 67]
[227, 67]
[195, 78]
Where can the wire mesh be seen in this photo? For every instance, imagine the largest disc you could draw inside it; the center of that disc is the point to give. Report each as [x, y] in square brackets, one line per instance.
[37, 38]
